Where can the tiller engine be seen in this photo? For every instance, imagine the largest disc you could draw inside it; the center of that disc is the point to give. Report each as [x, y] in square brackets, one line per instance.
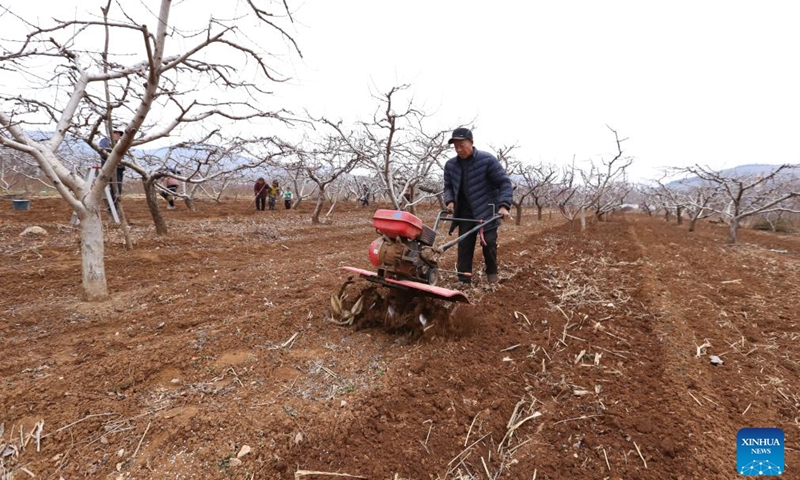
[405, 256]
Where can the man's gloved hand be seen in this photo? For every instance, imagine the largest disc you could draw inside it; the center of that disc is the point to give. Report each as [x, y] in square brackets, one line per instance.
[450, 207]
[505, 213]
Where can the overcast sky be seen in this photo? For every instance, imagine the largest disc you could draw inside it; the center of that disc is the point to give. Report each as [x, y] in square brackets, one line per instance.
[709, 82]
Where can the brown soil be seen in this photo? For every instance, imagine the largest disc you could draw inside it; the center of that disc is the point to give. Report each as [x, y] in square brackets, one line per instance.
[581, 363]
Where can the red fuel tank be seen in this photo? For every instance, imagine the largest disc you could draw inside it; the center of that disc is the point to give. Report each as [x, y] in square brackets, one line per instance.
[375, 251]
[394, 223]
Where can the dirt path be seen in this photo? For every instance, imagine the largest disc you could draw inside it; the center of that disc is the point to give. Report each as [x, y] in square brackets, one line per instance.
[580, 364]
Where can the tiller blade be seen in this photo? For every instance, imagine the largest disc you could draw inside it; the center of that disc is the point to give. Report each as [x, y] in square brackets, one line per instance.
[421, 288]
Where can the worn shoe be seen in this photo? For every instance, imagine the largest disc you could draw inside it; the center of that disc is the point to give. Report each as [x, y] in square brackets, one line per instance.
[170, 207]
[493, 278]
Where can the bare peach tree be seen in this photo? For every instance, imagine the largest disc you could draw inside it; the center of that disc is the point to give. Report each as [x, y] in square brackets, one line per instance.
[531, 181]
[396, 147]
[655, 200]
[690, 196]
[534, 183]
[323, 161]
[433, 188]
[699, 201]
[196, 163]
[601, 188]
[670, 196]
[15, 171]
[743, 195]
[606, 184]
[209, 72]
[293, 171]
[513, 168]
[539, 180]
[417, 167]
[569, 196]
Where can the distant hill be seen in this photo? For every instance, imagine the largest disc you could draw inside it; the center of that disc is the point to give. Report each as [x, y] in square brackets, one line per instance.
[749, 170]
[78, 148]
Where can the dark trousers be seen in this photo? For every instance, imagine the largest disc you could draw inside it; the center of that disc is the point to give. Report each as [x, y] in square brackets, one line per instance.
[466, 250]
[287, 204]
[169, 198]
[261, 203]
[272, 203]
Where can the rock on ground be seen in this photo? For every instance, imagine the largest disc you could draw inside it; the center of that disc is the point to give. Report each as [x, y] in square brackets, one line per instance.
[34, 232]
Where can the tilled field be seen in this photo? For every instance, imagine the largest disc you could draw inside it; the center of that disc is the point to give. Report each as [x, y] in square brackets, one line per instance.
[216, 357]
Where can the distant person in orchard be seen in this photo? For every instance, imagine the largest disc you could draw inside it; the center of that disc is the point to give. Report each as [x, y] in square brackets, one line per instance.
[475, 184]
[287, 199]
[171, 184]
[107, 145]
[364, 195]
[408, 195]
[260, 191]
[272, 194]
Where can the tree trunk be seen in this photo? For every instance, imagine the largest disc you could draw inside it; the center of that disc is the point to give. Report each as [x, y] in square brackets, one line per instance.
[189, 201]
[298, 194]
[692, 224]
[152, 204]
[679, 214]
[732, 231]
[538, 213]
[123, 222]
[518, 220]
[92, 261]
[583, 218]
[317, 209]
[330, 210]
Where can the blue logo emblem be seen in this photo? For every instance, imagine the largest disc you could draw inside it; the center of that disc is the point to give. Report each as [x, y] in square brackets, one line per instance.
[759, 452]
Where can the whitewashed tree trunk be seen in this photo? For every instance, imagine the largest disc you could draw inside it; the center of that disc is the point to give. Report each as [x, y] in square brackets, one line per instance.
[74, 111]
[92, 254]
[734, 227]
[583, 218]
[318, 207]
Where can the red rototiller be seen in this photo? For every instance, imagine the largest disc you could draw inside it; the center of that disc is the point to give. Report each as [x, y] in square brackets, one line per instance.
[405, 255]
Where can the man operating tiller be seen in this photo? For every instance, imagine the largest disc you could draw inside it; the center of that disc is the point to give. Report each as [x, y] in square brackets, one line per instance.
[475, 184]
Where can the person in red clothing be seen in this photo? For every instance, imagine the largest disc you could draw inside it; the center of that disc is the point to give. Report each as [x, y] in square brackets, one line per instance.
[260, 190]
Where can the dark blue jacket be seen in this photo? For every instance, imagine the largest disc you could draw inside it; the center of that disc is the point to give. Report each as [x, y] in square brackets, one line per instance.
[487, 183]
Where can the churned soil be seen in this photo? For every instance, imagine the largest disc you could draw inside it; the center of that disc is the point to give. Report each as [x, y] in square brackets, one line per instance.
[218, 354]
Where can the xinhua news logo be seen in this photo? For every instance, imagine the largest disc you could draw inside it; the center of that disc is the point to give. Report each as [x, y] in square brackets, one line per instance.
[759, 452]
